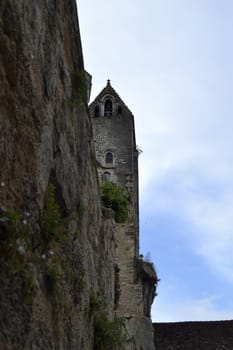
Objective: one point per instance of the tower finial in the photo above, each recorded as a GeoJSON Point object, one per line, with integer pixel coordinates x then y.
{"type": "Point", "coordinates": [108, 82]}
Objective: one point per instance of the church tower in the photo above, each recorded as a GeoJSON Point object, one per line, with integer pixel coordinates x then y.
{"type": "Point", "coordinates": [117, 161]}
{"type": "Point", "coordinates": [114, 137]}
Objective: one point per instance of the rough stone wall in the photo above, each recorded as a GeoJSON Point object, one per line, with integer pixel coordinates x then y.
{"type": "Point", "coordinates": [116, 134]}
{"type": "Point", "coordinates": [141, 333]}
{"type": "Point", "coordinates": [130, 302]}
{"type": "Point", "coordinates": [46, 136]}
{"type": "Point", "coordinates": [149, 280]}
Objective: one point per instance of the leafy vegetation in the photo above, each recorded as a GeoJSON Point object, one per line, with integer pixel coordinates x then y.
{"type": "Point", "coordinates": [116, 198]}
{"type": "Point", "coordinates": [52, 222]}
{"type": "Point", "coordinates": [15, 249]}
{"type": "Point", "coordinates": [21, 257]}
{"type": "Point", "coordinates": [117, 286]}
{"type": "Point", "coordinates": [79, 89]}
{"type": "Point", "coordinates": [52, 272]}
{"type": "Point", "coordinates": [108, 334]}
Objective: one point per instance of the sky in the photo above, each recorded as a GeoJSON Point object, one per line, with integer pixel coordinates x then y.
{"type": "Point", "coordinates": [171, 61]}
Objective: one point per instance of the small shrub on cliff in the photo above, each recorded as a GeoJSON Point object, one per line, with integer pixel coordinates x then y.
{"type": "Point", "coordinates": [52, 275]}
{"type": "Point", "coordinates": [52, 223]}
{"type": "Point", "coordinates": [108, 334]}
{"type": "Point", "coordinates": [117, 286]}
{"type": "Point", "coordinates": [15, 249]}
{"type": "Point", "coordinates": [79, 89]}
{"type": "Point", "coordinates": [116, 198]}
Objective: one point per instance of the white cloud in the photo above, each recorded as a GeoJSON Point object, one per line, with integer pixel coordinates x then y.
{"type": "Point", "coordinates": [194, 182]}
{"type": "Point", "coordinates": [203, 309]}
{"type": "Point", "coordinates": [175, 72]}
{"type": "Point", "coordinates": [199, 195]}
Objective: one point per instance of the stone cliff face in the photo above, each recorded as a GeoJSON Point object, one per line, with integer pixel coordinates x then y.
{"type": "Point", "coordinates": [58, 273]}
{"type": "Point", "coordinates": [55, 246]}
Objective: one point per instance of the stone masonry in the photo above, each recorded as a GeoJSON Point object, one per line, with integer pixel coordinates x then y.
{"type": "Point", "coordinates": [117, 161]}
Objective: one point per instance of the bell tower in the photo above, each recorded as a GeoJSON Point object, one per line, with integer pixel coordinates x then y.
{"type": "Point", "coordinates": [117, 161]}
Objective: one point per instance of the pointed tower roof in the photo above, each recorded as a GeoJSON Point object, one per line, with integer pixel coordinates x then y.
{"type": "Point", "coordinates": [109, 90]}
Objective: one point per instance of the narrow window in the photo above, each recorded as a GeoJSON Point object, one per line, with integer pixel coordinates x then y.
{"type": "Point", "coordinates": [106, 176]}
{"type": "Point", "coordinates": [109, 158]}
{"type": "Point", "coordinates": [119, 110]}
{"type": "Point", "coordinates": [97, 111]}
{"type": "Point", "coordinates": [108, 107]}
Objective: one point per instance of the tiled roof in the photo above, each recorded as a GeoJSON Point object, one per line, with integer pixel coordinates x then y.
{"type": "Point", "coordinates": [211, 335]}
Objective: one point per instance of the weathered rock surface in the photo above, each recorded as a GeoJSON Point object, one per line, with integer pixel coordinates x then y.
{"type": "Point", "coordinates": [141, 331]}
{"type": "Point", "coordinates": [46, 137]}
{"type": "Point", "coordinates": [57, 245]}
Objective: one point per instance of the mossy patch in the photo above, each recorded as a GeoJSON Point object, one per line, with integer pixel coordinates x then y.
{"type": "Point", "coordinates": [108, 334]}
{"type": "Point", "coordinates": [116, 198]}
{"type": "Point", "coordinates": [79, 89]}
